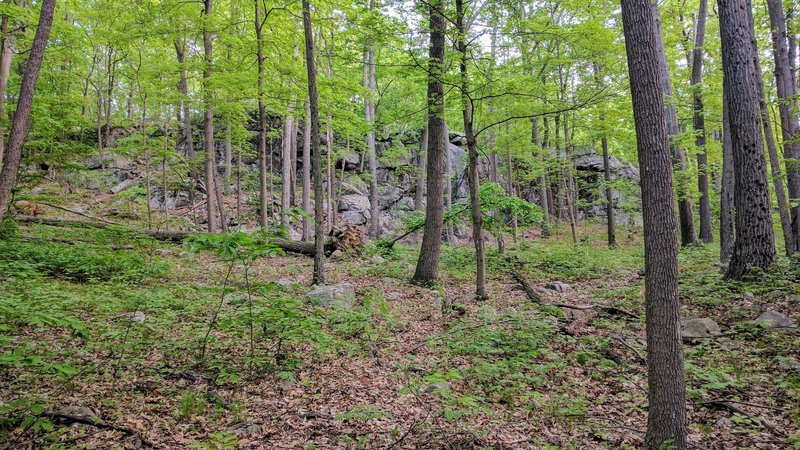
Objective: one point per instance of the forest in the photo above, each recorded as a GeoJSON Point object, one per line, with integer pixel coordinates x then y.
{"type": "Point", "coordinates": [399, 224]}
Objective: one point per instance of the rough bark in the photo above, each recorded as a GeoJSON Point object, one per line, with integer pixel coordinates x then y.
{"type": "Point", "coordinates": [262, 119]}
{"type": "Point", "coordinates": [183, 88]}
{"type": "Point", "coordinates": [688, 234]}
{"type": "Point", "coordinates": [472, 149]}
{"type": "Point", "coordinates": [307, 172]}
{"type": "Point", "coordinates": [666, 422]}
{"type": "Point", "coordinates": [726, 230]}
{"type": "Point", "coordinates": [22, 115]}
{"type": "Point", "coordinates": [428, 263]}
{"type": "Point", "coordinates": [610, 219]}
{"type": "Point", "coordinates": [369, 111]}
{"type": "Point", "coordinates": [6, 54]}
{"type": "Point", "coordinates": [699, 124]}
{"type": "Point", "coordinates": [419, 195]}
{"type": "Point", "coordinates": [787, 107]}
{"type": "Point", "coordinates": [754, 244]}
{"type": "Point", "coordinates": [313, 100]}
{"type": "Point", "coordinates": [286, 169]}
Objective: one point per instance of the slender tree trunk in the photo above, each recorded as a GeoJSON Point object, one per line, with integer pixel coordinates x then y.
{"type": "Point", "coordinates": [228, 152]}
{"type": "Point", "coordinates": [610, 219]}
{"type": "Point", "coordinates": [537, 142]}
{"type": "Point", "coordinates": [448, 186]}
{"type": "Point", "coordinates": [22, 115]}
{"type": "Point", "coordinates": [307, 172]}
{"type": "Point", "coordinates": [369, 110]}
{"type": "Point", "coordinates": [571, 192]}
{"type": "Point", "coordinates": [754, 246]}
{"type": "Point", "coordinates": [286, 169]}
{"type": "Point", "coordinates": [472, 149]}
{"type": "Point", "coordinates": [726, 219]}
{"type": "Point", "coordinates": [775, 165]}
{"type": "Point", "coordinates": [666, 421]}
{"type": "Point", "coordinates": [164, 178]}
{"type": "Point", "coordinates": [787, 107]}
{"type": "Point", "coordinates": [688, 235]}
{"type": "Point", "coordinates": [699, 125]}
{"type": "Point", "coordinates": [293, 162]}
{"type": "Point", "coordinates": [262, 121]}
{"type": "Point", "coordinates": [427, 269]}
{"type": "Point", "coordinates": [6, 54]}
{"type": "Point", "coordinates": [183, 88]}
{"type": "Point", "coordinates": [209, 116]}
{"type": "Point", "coordinates": [319, 251]}
{"type": "Point", "coordinates": [147, 158]}
{"type": "Point", "coordinates": [419, 195]}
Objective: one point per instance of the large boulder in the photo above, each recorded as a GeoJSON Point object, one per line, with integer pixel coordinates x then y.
{"type": "Point", "coordinates": [356, 218]}
{"type": "Point", "coordinates": [774, 319]}
{"type": "Point", "coordinates": [698, 328]}
{"type": "Point", "coordinates": [353, 202]}
{"type": "Point", "coordinates": [341, 295]}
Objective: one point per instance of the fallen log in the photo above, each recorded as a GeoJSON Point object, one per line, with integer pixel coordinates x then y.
{"type": "Point", "coordinates": [297, 247]}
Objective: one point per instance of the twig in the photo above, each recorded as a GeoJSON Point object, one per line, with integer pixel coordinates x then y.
{"type": "Point", "coordinates": [78, 213]}
{"type": "Point", "coordinates": [728, 405]}
{"type": "Point", "coordinates": [100, 424]}
{"type": "Point", "coordinates": [622, 340]}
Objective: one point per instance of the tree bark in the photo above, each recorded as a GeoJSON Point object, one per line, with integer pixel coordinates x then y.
{"type": "Point", "coordinates": [472, 149]}
{"type": "Point", "coordinates": [183, 88]}
{"type": "Point", "coordinates": [787, 107]}
{"type": "Point", "coordinates": [286, 169]}
{"type": "Point", "coordinates": [307, 172]}
{"type": "Point", "coordinates": [6, 54]}
{"type": "Point", "coordinates": [666, 422]}
{"type": "Point", "coordinates": [419, 195]}
{"type": "Point", "coordinates": [369, 111]}
{"type": "Point", "coordinates": [427, 269]}
{"type": "Point", "coordinates": [610, 219]}
{"type": "Point", "coordinates": [208, 123]}
{"type": "Point", "coordinates": [699, 124]}
{"type": "Point", "coordinates": [754, 245]}
{"type": "Point", "coordinates": [22, 115]}
{"type": "Point", "coordinates": [262, 120]}
{"type": "Point", "coordinates": [319, 256]}
{"type": "Point", "coordinates": [726, 220]}
{"type": "Point", "coordinates": [688, 235]}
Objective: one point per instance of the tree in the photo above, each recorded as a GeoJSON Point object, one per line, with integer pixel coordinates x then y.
{"type": "Point", "coordinates": [754, 244]}
{"type": "Point", "coordinates": [428, 263]}
{"type": "Point", "coordinates": [688, 236]}
{"type": "Point", "coordinates": [666, 421]}
{"type": "Point", "coordinates": [208, 123]}
{"type": "Point", "coordinates": [313, 101]}
{"type": "Point", "coordinates": [472, 149]}
{"type": "Point", "coordinates": [699, 124]}
{"type": "Point", "coordinates": [726, 220]}
{"type": "Point", "coordinates": [369, 108]}
{"type": "Point", "coordinates": [262, 117]}
{"type": "Point", "coordinates": [22, 115]}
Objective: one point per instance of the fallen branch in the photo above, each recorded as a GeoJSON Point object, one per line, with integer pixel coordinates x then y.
{"type": "Point", "coordinates": [72, 242]}
{"type": "Point", "coordinates": [726, 404]}
{"type": "Point", "coordinates": [99, 424]}
{"type": "Point", "coordinates": [77, 213]}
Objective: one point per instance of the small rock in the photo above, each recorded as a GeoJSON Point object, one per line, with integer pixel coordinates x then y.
{"type": "Point", "coordinates": [698, 328]}
{"type": "Point", "coordinates": [78, 412]}
{"type": "Point", "coordinates": [789, 363]}
{"type": "Point", "coordinates": [378, 259]}
{"type": "Point", "coordinates": [749, 296]}
{"type": "Point", "coordinates": [341, 295]}
{"type": "Point", "coordinates": [573, 314]}
{"type": "Point", "coordinates": [517, 287]}
{"type": "Point", "coordinates": [285, 283]}
{"type": "Point", "coordinates": [139, 317]}
{"type": "Point", "coordinates": [558, 286]}
{"type": "Point", "coordinates": [441, 386]}
{"type": "Point", "coordinates": [469, 297]}
{"type": "Point", "coordinates": [774, 319]}
{"type": "Point", "coordinates": [394, 296]}
{"type": "Point", "coordinates": [245, 428]}
{"type": "Point", "coordinates": [388, 280]}
{"type": "Point", "coordinates": [723, 422]}
{"type": "Point", "coordinates": [336, 254]}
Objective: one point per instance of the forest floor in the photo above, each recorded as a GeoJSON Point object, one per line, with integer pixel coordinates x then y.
{"type": "Point", "coordinates": [119, 337]}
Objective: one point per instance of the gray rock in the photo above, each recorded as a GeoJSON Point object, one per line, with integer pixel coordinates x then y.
{"type": "Point", "coordinates": [341, 295]}
{"type": "Point", "coordinates": [441, 386]}
{"type": "Point", "coordinates": [78, 412]}
{"type": "Point", "coordinates": [558, 286]}
{"type": "Point", "coordinates": [388, 280]}
{"type": "Point", "coordinates": [355, 217]}
{"type": "Point", "coordinates": [378, 259]}
{"type": "Point", "coordinates": [749, 296]}
{"type": "Point", "coordinates": [723, 422]}
{"type": "Point", "coordinates": [774, 319]}
{"type": "Point", "coordinates": [353, 202]}
{"type": "Point", "coordinates": [139, 317]}
{"type": "Point", "coordinates": [394, 296]}
{"type": "Point", "coordinates": [245, 428]}
{"type": "Point", "coordinates": [285, 283]}
{"type": "Point", "coordinates": [698, 328]}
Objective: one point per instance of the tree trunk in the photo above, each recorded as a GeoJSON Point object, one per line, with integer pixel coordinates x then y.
{"type": "Point", "coordinates": [228, 153]}
{"type": "Point", "coordinates": [666, 422]}
{"type": "Point", "coordinates": [22, 115]}
{"type": "Point", "coordinates": [472, 149]}
{"type": "Point", "coordinates": [183, 88]}
{"type": "Point", "coordinates": [537, 142]}
{"type": "Point", "coordinates": [754, 245]}
{"type": "Point", "coordinates": [319, 256]}
{"type": "Point", "coordinates": [610, 219]}
{"type": "Point", "coordinates": [688, 236]}
{"type": "Point", "coordinates": [208, 123]}
{"type": "Point", "coordinates": [286, 169]}
{"type": "Point", "coordinates": [307, 172]}
{"type": "Point", "coordinates": [449, 173]}
{"type": "Point", "coordinates": [699, 125]}
{"type": "Point", "coordinates": [427, 269]}
{"type": "Point", "coordinates": [262, 120]}
{"type": "Point", "coordinates": [369, 109]}
{"type": "Point", "coordinates": [6, 54]}
{"type": "Point", "coordinates": [787, 107]}
{"type": "Point", "coordinates": [419, 195]}
{"type": "Point", "coordinates": [726, 230]}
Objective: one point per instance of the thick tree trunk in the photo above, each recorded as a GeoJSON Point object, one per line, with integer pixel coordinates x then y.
{"type": "Point", "coordinates": [208, 123]}
{"type": "Point", "coordinates": [726, 230]}
{"type": "Point", "coordinates": [666, 422]}
{"type": "Point", "coordinates": [427, 269]}
{"type": "Point", "coordinates": [754, 246]}
{"type": "Point", "coordinates": [699, 124]}
{"type": "Point", "coordinates": [472, 149]}
{"type": "Point", "coordinates": [319, 256]}
{"type": "Point", "coordinates": [22, 115]}
{"type": "Point", "coordinates": [787, 107]}
{"type": "Point", "coordinates": [688, 235]}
